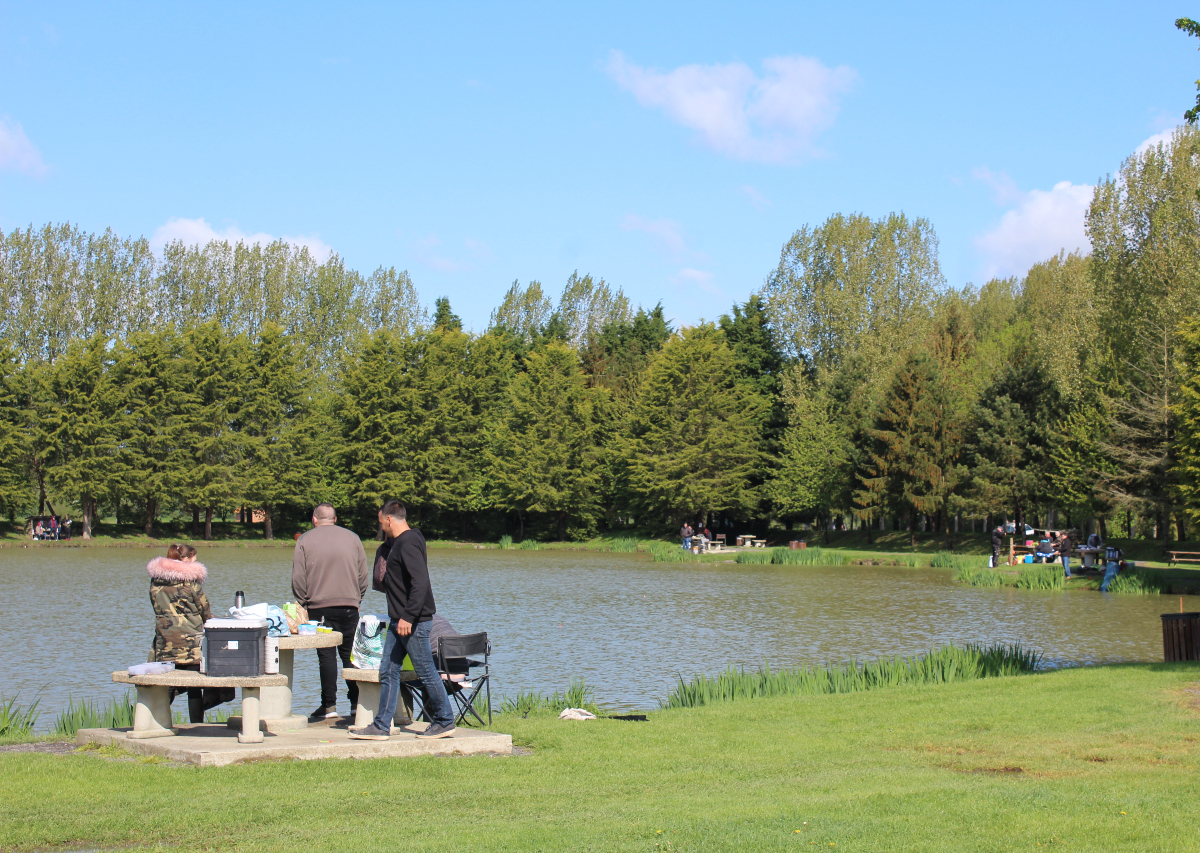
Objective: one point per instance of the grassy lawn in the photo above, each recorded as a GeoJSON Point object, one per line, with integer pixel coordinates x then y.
{"type": "Point", "coordinates": [1097, 759]}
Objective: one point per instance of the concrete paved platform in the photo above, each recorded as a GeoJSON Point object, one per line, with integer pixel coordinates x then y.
{"type": "Point", "coordinates": [214, 745]}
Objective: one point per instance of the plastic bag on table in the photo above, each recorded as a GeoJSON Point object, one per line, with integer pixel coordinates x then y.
{"type": "Point", "coordinates": [277, 623]}
{"type": "Point", "coordinates": [368, 642]}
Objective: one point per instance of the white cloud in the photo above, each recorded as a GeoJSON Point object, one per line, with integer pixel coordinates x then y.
{"type": "Point", "coordinates": [197, 232]}
{"type": "Point", "coordinates": [773, 118]}
{"type": "Point", "coordinates": [1163, 137]}
{"type": "Point", "coordinates": [667, 233]}
{"type": "Point", "coordinates": [1004, 188]}
{"type": "Point", "coordinates": [689, 278]}
{"type": "Point", "coordinates": [760, 201]}
{"type": "Point", "coordinates": [1040, 224]}
{"type": "Point", "coordinates": [17, 153]}
{"type": "Point", "coordinates": [428, 254]}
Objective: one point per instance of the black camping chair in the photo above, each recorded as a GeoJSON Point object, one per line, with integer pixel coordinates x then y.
{"type": "Point", "coordinates": [465, 676]}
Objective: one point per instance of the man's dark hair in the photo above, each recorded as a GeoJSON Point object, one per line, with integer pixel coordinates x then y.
{"type": "Point", "coordinates": [394, 509]}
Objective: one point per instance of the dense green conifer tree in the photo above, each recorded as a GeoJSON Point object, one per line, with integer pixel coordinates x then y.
{"type": "Point", "coordinates": [81, 421]}
{"type": "Point", "coordinates": [149, 372]}
{"type": "Point", "coordinates": [277, 452]}
{"type": "Point", "coordinates": [693, 444]}
{"type": "Point", "coordinates": [374, 406]}
{"type": "Point", "coordinates": [14, 484]}
{"type": "Point", "coordinates": [914, 459]}
{"type": "Point", "coordinates": [543, 454]}
{"type": "Point", "coordinates": [208, 449]}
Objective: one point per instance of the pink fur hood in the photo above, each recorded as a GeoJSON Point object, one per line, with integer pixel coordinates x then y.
{"type": "Point", "coordinates": [176, 571]}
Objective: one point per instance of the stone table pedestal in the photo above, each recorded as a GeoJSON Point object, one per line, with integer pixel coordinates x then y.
{"type": "Point", "coordinates": [275, 703]}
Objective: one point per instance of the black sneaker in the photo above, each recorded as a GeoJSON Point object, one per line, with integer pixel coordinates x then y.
{"type": "Point", "coordinates": [325, 712]}
{"type": "Point", "coordinates": [369, 733]}
{"type": "Point", "coordinates": [436, 731]}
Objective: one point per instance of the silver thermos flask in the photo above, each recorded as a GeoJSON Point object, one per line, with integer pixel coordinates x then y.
{"type": "Point", "coordinates": [239, 599]}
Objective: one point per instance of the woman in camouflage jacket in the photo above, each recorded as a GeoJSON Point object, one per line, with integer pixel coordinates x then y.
{"type": "Point", "coordinates": [180, 610]}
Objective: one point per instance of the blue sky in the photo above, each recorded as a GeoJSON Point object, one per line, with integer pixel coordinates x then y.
{"type": "Point", "coordinates": [671, 149]}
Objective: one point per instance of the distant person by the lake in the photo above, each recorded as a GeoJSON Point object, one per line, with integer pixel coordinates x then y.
{"type": "Point", "coordinates": [1114, 561]}
{"type": "Point", "coordinates": [180, 610]}
{"type": "Point", "coordinates": [1094, 541]}
{"type": "Point", "coordinates": [411, 608]}
{"type": "Point", "coordinates": [1064, 551]}
{"type": "Point", "coordinates": [997, 544]}
{"type": "Point", "coordinates": [330, 577]}
{"type": "Point", "coordinates": [686, 533]}
{"type": "Point", "coordinates": [38, 531]}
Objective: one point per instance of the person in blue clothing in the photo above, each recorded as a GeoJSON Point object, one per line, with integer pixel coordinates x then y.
{"type": "Point", "coordinates": [1114, 561]}
{"type": "Point", "coordinates": [686, 534]}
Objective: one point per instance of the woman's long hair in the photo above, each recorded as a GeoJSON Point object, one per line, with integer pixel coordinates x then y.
{"type": "Point", "coordinates": [180, 551]}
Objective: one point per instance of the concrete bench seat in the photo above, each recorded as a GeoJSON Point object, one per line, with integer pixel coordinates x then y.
{"type": "Point", "coordinates": [152, 713]}
{"type": "Point", "coordinates": [368, 696]}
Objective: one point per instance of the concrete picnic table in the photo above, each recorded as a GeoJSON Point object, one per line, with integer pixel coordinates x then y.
{"type": "Point", "coordinates": [276, 711]}
{"type": "Point", "coordinates": [152, 713]}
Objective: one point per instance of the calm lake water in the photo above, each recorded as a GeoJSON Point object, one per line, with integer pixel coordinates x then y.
{"type": "Point", "coordinates": [629, 626]}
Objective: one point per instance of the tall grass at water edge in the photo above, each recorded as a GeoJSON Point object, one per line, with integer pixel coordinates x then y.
{"type": "Point", "coordinates": [579, 694]}
{"type": "Point", "coordinates": [530, 545]}
{"type": "Point", "coordinates": [1048, 576]}
{"type": "Point", "coordinates": [790, 557]}
{"type": "Point", "coordinates": [16, 721]}
{"type": "Point", "coordinates": [505, 542]}
{"type": "Point", "coordinates": [667, 552]}
{"type": "Point", "coordinates": [975, 576]}
{"type": "Point", "coordinates": [624, 545]}
{"type": "Point", "coordinates": [1139, 580]}
{"type": "Point", "coordinates": [946, 560]}
{"type": "Point", "coordinates": [941, 666]}
{"type": "Point", "coordinates": [87, 714]}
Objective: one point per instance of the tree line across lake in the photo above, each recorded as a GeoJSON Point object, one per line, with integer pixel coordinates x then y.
{"type": "Point", "coordinates": [854, 388]}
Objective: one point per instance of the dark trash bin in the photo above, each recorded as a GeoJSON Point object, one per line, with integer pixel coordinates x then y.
{"type": "Point", "coordinates": [1181, 636]}
{"type": "Point", "coordinates": [797, 544]}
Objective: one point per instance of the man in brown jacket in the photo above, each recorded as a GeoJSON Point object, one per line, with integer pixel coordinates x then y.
{"type": "Point", "coordinates": [330, 577]}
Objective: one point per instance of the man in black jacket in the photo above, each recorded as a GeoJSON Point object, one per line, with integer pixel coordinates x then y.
{"type": "Point", "coordinates": [997, 544]}
{"type": "Point", "coordinates": [410, 609]}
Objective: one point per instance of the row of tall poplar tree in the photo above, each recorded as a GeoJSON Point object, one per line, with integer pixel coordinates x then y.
{"type": "Point", "coordinates": [854, 387]}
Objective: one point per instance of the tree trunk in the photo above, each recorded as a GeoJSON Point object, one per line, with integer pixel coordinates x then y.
{"type": "Point", "coordinates": [1103, 528]}
{"type": "Point", "coordinates": [88, 505]}
{"type": "Point", "coordinates": [870, 534]}
{"type": "Point", "coordinates": [151, 508]}
{"type": "Point", "coordinates": [247, 517]}
{"type": "Point", "coordinates": [562, 525]}
{"type": "Point", "coordinates": [268, 531]}
{"type": "Point", "coordinates": [195, 522]}
{"type": "Point", "coordinates": [208, 514]}
{"type": "Point", "coordinates": [1180, 528]}
{"type": "Point", "coordinates": [41, 480]}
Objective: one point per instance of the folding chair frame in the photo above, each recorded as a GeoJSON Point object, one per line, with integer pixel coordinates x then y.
{"type": "Point", "coordinates": [463, 647]}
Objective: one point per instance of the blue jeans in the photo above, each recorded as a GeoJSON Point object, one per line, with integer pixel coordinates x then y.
{"type": "Point", "coordinates": [687, 542]}
{"type": "Point", "coordinates": [1066, 564]}
{"type": "Point", "coordinates": [416, 646]}
{"type": "Point", "coordinates": [1110, 572]}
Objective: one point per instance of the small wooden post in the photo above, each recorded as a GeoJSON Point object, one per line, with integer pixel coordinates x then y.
{"type": "Point", "coordinates": [1012, 554]}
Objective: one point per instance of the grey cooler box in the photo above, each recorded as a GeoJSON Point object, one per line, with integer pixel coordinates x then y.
{"type": "Point", "coordinates": [235, 647]}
